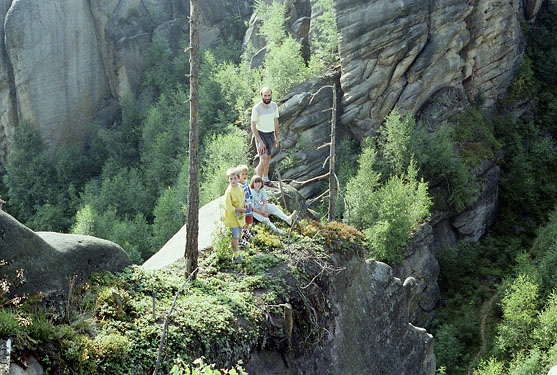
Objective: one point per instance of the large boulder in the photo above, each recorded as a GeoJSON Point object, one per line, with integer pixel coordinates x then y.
{"type": "Point", "coordinates": [48, 261]}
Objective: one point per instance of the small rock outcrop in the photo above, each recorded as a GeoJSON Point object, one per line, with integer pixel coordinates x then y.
{"type": "Point", "coordinates": [49, 261]}
{"type": "Point", "coordinates": [367, 329]}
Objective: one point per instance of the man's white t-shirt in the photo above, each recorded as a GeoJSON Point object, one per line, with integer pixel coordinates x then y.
{"type": "Point", "coordinates": [264, 116]}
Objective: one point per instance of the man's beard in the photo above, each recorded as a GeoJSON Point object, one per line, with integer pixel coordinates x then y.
{"type": "Point", "coordinates": [267, 101]}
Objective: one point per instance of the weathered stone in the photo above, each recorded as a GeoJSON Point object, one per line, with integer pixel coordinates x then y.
{"type": "Point", "coordinates": [49, 261]}
{"type": "Point", "coordinates": [57, 68]}
{"type": "Point", "coordinates": [400, 53]}
{"type": "Point", "coordinates": [58, 71]}
{"type": "Point", "coordinates": [5, 353]}
{"type": "Point", "coordinates": [33, 367]}
{"type": "Point", "coordinates": [368, 329]}
{"type": "Point", "coordinates": [305, 126]}
{"type": "Point", "coordinates": [474, 222]}
{"type": "Point", "coordinates": [420, 264]}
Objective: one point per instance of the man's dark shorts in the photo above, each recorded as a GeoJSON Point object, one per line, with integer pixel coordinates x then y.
{"type": "Point", "coordinates": [268, 140]}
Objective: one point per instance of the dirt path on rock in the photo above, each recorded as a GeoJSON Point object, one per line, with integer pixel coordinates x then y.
{"type": "Point", "coordinates": [484, 313]}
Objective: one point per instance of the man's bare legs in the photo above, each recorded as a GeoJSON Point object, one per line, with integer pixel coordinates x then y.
{"type": "Point", "coordinates": [262, 168]}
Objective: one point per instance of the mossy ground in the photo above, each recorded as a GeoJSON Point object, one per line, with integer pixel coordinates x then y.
{"type": "Point", "coordinates": [112, 324]}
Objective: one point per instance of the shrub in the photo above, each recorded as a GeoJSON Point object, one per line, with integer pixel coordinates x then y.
{"type": "Point", "coordinates": [387, 214]}
{"type": "Point", "coordinates": [30, 176]}
{"type": "Point", "coordinates": [519, 305]}
{"type": "Point", "coordinates": [222, 152]}
{"type": "Point", "coordinates": [449, 350]}
{"type": "Point", "coordinates": [169, 217]}
{"type": "Point", "coordinates": [439, 161]}
{"type": "Point", "coordinates": [490, 367]}
{"type": "Point", "coordinates": [324, 37]}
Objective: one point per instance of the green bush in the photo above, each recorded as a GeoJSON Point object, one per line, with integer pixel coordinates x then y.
{"type": "Point", "coordinates": [30, 176]}
{"type": "Point", "coordinates": [387, 213]}
{"type": "Point", "coordinates": [440, 163]}
{"type": "Point", "coordinates": [520, 309]}
{"type": "Point", "coordinates": [449, 350]}
{"type": "Point", "coordinates": [169, 217]}
{"type": "Point", "coordinates": [324, 36]}
{"type": "Point", "coordinates": [490, 367]}
{"type": "Point", "coordinates": [120, 188]}
{"type": "Point", "coordinates": [222, 152]}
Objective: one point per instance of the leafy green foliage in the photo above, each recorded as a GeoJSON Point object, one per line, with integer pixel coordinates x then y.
{"type": "Point", "coordinates": [400, 206]}
{"type": "Point", "coordinates": [490, 367]}
{"type": "Point", "coordinates": [324, 38]}
{"type": "Point", "coordinates": [519, 305]}
{"type": "Point", "coordinates": [222, 152]}
{"type": "Point", "coordinates": [477, 136]}
{"type": "Point", "coordinates": [29, 173]}
{"type": "Point", "coordinates": [169, 216]}
{"type": "Point", "coordinates": [440, 163]}
{"type": "Point", "coordinates": [387, 213]}
{"type": "Point", "coordinates": [396, 137]}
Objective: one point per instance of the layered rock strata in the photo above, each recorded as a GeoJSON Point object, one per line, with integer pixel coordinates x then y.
{"type": "Point", "coordinates": [400, 53]}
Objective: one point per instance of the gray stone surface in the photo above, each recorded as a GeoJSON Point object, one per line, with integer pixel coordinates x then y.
{"type": "Point", "coordinates": [305, 126]}
{"type": "Point", "coordinates": [66, 61]}
{"type": "Point", "coordinates": [57, 68]}
{"type": "Point", "coordinates": [50, 260]}
{"type": "Point", "coordinates": [368, 330]}
{"type": "Point", "coordinates": [33, 367]}
{"type": "Point", "coordinates": [400, 53]}
{"type": "Point", "coordinates": [420, 264]}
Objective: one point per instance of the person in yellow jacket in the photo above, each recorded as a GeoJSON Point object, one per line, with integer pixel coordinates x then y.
{"type": "Point", "coordinates": [234, 209]}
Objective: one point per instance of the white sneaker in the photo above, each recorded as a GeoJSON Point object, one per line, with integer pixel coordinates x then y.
{"type": "Point", "coordinates": [292, 217]}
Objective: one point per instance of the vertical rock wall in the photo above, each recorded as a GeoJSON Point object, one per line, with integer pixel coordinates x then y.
{"type": "Point", "coordinates": [67, 63]}
{"type": "Point", "coordinates": [58, 71]}
{"type": "Point", "coordinates": [399, 53]}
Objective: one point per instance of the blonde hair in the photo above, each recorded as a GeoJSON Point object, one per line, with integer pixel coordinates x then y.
{"type": "Point", "coordinates": [265, 89]}
{"type": "Point", "coordinates": [232, 172]}
{"type": "Point", "coordinates": [255, 179]}
{"type": "Point", "coordinates": [242, 168]}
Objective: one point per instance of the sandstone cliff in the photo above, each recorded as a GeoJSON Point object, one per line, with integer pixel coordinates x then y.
{"type": "Point", "coordinates": [67, 63]}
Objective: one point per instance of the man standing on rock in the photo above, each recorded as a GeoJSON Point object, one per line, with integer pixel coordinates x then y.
{"type": "Point", "coordinates": [264, 125]}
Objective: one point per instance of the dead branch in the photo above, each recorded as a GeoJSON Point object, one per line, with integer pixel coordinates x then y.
{"type": "Point", "coordinates": [163, 334]}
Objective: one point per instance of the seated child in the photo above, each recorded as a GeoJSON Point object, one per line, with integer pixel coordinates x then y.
{"type": "Point", "coordinates": [262, 209]}
{"type": "Point", "coordinates": [246, 235]}
{"type": "Point", "coordinates": [234, 210]}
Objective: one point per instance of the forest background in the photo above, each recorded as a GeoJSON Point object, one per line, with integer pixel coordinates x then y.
{"type": "Point", "coordinates": [129, 185]}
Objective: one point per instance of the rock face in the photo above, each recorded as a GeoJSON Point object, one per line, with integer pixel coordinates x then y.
{"type": "Point", "coordinates": [66, 63]}
{"type": "Point", "coordinates": [56, 64]}
{"type": "Point", "coordinates": [305, 126]}
{"type": "Point", "coordinates": [50, 260]}
{"type": "Point", "coordinates": [368, 329]}
{"type": "Point", "coordinates": [400, 53]}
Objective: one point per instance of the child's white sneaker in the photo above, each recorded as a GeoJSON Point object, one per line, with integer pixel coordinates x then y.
{"type": "Point", "coordinates": [292, 217]}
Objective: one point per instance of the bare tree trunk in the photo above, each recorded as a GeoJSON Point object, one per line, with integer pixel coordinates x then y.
{"type": "Point", "coordinates": [331, 213]}
{"type": "Point", "coordinates": [192, 228]}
